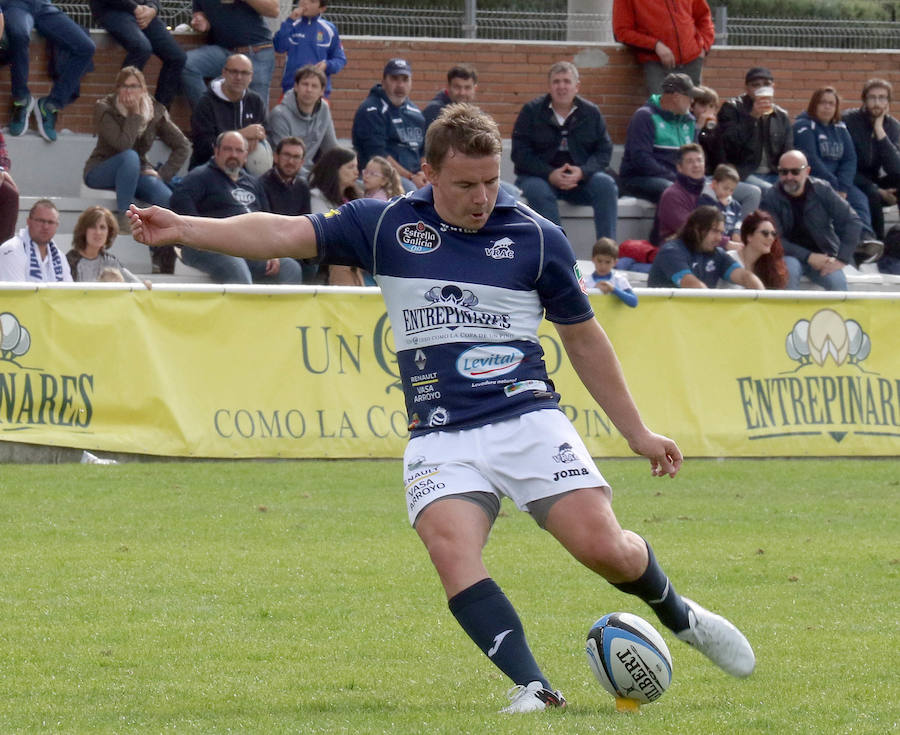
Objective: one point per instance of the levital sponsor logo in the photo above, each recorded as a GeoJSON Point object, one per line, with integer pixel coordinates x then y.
{"type": "Point", "coordinates": [488, 361]}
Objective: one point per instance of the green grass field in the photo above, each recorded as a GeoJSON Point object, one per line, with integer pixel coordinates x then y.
{"type": "Point", "coordinates": [294, 598]}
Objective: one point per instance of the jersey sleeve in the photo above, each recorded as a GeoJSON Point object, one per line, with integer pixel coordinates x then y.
{"type": "Point", "coordinates": [344, 236]}
{"type": "Point", "coordinates": [560, 285]}
{"type": "Point", "coordinates": [675, 263]}
{"type": "Point", "coordinates": [725, 264]}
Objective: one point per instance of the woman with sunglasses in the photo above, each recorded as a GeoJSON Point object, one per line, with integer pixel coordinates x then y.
{"type": "Point", "coordinates": [762, 252]}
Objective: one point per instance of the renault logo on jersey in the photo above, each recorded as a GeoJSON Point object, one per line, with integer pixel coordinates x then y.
{"type": "Point", "coordinates": [501, 249]}
{"type": "Point", "coordinates": [418, 238]}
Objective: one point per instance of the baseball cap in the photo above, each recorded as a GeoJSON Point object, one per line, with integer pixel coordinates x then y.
{"type": "Point", "coordinates": [680, 83]}
{"type": "Point", "coordinates": [397, 66]}
{"type": "Point", "coordinates": [758, 72]}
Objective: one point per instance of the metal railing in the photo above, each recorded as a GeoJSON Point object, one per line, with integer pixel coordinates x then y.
{"type": "Point", "coordinates": [813, 33]}
{"type": "Point", "coordinates": [538, 25]}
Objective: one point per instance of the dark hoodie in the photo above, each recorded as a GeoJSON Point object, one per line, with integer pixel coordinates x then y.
{"type": "Point", "coordinates": [383, 129]}
{"type": "Point", "coordinates": [215, 114]}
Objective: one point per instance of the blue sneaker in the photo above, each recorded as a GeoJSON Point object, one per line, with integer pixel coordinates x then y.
{"type": "Point", "coordinates": [18, 122]}
{"type": "Point", "coordinates": [45, 117]}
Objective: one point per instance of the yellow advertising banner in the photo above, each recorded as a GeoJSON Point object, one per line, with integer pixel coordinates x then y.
{"type": "Point", "coordinates": [277, 373]}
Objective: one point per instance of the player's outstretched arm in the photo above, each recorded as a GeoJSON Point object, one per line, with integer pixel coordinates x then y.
{"type": "Point", "coordinates": [258, 236]}
{"type": "Point", "coordinates": [594, 359]}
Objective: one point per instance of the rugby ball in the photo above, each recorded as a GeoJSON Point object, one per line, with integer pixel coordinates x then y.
{"type": "Point", "coordinates": [629, 657]}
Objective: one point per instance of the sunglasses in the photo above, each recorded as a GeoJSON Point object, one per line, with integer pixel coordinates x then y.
{"type": "Point", "coordinates": [791, 171]}
{"type": "Point", "coordinates": [767, 233]}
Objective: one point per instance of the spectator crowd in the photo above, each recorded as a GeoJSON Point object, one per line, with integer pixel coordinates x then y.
{"type": "Point", "coordinates": [743, 194]}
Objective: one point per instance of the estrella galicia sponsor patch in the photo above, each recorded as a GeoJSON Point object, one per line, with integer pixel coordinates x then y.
{"type": "Point", "coordinates": [582, 285]}
{"type": "Point", "coordinates": [419, 238]}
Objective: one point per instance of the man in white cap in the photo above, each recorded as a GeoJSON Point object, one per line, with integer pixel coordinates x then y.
{"type": "Point", "coordinates": [388, 124]}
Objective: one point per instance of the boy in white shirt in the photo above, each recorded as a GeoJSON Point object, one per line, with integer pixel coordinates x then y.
{"type": "Point", "coordinates": [605, 277]}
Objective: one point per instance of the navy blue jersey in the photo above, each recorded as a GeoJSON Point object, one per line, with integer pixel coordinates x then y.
{"type": "Point", "coordinates": [464, 305]}
{"type": "Point", "coordinates": [674, 261]}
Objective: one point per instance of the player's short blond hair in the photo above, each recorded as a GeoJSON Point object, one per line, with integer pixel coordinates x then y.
{"type": "Point", "coordinates": [465, 129]}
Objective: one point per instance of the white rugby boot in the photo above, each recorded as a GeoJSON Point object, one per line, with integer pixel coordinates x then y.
{"type": "Point", "coordinates": [532, 698]}
{"type": "Point", "coordinates": [718, 640]}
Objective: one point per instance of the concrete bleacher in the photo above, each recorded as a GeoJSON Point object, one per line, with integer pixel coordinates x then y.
{"type": "Point", "coordinates": [54, 171]}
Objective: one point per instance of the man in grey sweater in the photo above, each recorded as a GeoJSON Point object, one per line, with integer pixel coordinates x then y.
{"type": "Point", "coordinates": [303, 114]}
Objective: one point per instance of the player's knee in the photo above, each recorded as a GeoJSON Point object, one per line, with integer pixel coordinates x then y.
{"type": "Point", "coordinates": [615, 556]}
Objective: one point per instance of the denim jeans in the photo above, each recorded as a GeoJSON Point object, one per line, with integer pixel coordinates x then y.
{"type": "Point", "coordinates": [140, 45]}
{"type": "Point", "coordinates": [860, 204]}
{"type": "Point", "coordinates": [599, 191]}
{"type": "Point", "coordinates": [646, 187]}
{"type": "Point", "coordinates": [748, 196]}
{"type": "Point", "coordinates": [836, 281]}
{"type": "Point", "coordinates": [122, 173]}
{"type": "Point", "coordinates": [763, 181]}
{"type": "Point", "coordinates": [207, 62]}
{"type": "Point", "coordinates": [229, 269]}
{"type": "Point", "coordinates": [23, 16]}
{"type": "Point", "coordinates": [655, 72]}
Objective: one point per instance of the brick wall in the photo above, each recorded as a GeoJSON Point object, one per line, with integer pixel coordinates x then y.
{"type": "Point", "coordinates": [510, 74]}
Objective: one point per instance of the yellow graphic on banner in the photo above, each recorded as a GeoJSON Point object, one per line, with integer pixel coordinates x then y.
{"type": "Point", "coordinates": [308, 375]}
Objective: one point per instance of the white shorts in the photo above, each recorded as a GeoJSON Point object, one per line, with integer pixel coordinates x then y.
{"type": "Point", "coordinates": [530, 457]}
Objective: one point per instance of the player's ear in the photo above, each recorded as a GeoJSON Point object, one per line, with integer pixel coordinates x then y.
{"type": "Point", "coordinates": [429, 171]}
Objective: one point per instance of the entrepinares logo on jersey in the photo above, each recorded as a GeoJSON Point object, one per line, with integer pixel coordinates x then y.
{"type": "Point", "coordinates": [30, 396]}
{"type": "Point", "coordinates": [451, 307]}
{"type": "Point", "coordinates": [828, 392]}
{"type": "Point", "coordinates": [419, 238]}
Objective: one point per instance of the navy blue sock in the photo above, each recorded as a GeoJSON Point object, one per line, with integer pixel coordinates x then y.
{"type": "Point", "coordinates": [490, 620]}
{"type": "Point", "coordinates": [654, 588]}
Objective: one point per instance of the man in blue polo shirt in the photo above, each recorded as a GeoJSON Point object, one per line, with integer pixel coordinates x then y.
{"type": "Point", "coordinates": [467, 275]}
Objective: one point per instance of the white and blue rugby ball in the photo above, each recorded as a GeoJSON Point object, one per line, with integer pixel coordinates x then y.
{"type": "Point", "coordinates": [629, 657]}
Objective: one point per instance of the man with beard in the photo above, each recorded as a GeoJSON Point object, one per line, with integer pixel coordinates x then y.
{"type": "Point", "coordinates": [820, 231]}
{"type": "Point", "coordinates": [221, 188]}
{"type": "Point", "coordinates": [876, 138]}
{"type": "Point", "coordinates": [287, 190]}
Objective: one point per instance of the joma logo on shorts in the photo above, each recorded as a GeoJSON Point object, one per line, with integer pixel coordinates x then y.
{"type": "Point", "coordinates": [557, 476]}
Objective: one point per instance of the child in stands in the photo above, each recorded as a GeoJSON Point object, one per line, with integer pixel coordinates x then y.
{"type": "Point", "coordinates": [605, 277]}
{"type": "Point", "coordinates": [718, 193]}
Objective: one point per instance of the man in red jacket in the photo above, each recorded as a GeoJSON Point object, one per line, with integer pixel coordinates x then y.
{"type": "Point", "coordinates": [667, 35]}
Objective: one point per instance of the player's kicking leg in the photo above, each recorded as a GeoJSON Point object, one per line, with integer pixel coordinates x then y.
{"type": "Point", "coordinates": [583, 521]}
{"type": "Point", "coordinates": [455, 530]}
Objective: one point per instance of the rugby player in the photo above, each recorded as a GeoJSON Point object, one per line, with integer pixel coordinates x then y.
{"type": "Point", "coordinates": [467, 274]}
